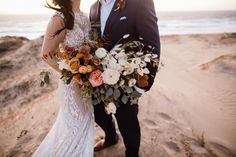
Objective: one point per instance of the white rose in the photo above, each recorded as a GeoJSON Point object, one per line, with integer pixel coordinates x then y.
{"type": "Point", "coordinates": [110, 76]}
{"type": "Point", "coordinates": [101, 53]}
{"type": "Point", "coordinates": [132, 82]}
{"type": "Point", "coordinates": [110, 108]}
{"type": "Point", "coordinates": [116, 67]}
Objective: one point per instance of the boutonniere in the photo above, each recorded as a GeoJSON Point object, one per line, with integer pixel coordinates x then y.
{"type": "Point", "coordinates": [120, 5]}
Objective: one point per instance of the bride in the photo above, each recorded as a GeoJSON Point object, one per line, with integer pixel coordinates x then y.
{"type": "Point", "coordinates": [72, 133]}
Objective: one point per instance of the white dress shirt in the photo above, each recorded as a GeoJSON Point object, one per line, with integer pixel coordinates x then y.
{"type": "Point", "coordinates": [106, 7]}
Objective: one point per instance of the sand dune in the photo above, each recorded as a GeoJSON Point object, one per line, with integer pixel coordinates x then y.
{"type": "Point", "coordinates": [223, 63]}
{"type": "Point", "coordinates": [190, 111]}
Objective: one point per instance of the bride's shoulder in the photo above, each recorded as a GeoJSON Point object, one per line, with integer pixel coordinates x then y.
{"type": "Point", "coordinates": [58, 14]}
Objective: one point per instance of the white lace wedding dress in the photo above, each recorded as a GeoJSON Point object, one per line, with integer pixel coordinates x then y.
{"type": "Point", "coordinates": [72, 133]}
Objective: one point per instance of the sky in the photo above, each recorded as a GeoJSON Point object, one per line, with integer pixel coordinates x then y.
{"type": "Point", "coordinates": [36, 6]}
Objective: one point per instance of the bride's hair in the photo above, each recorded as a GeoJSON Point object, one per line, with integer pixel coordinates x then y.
{"type": "Point", "coordinates": [64, 7]}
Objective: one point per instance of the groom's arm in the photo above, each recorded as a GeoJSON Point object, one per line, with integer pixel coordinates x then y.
{"type": "Point", "coordinates": [146, 24]}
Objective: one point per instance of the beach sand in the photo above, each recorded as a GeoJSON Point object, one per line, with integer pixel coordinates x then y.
{"type": "Point", "coordinates": [190, 111]}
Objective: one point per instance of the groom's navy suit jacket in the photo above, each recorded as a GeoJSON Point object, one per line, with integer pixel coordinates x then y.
{"type": "Point", "coordinates": [137, 18]}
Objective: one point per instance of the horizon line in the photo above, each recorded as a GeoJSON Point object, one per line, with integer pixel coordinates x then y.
{"type": "Point", "coordinates": [41, 13]}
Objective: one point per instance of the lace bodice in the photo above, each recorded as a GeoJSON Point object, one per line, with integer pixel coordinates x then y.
{"type": "Point", "coordinates": [80, 32]}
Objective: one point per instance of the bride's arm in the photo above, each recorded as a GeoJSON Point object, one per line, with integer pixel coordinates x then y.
{"type": "Point", "coordinates": [51, 42]}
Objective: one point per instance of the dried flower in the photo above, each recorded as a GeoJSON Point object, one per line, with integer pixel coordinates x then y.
{"type": "Point", "coordinates": [120, 5]}
{"type": "Point", "coordinates": [142, 81]}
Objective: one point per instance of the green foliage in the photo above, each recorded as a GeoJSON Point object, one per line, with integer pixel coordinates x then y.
{"type": "Point", "coordinates": [125, 99]}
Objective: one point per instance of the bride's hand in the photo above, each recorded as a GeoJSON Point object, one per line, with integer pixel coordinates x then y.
{"type": "Point", "coordinates": [51, 41]}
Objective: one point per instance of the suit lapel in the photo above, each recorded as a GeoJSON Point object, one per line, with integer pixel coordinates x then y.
{"type": "Point", "coordinates": [111, 18]}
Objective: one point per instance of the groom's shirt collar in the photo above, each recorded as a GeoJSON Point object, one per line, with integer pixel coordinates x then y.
{"type": "Point", "coordinates": [106, 8]}
{"type": "Point", "coordinates": [106, 2]}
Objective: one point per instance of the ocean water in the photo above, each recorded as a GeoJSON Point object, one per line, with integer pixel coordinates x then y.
{"type": "Point", "coordinates": [33, 26]}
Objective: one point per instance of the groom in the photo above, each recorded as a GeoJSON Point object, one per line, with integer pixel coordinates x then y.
{"type": "Point", "coordinates": [114, 19]}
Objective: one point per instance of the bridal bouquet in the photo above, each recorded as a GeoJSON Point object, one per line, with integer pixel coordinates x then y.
{"type": "Point", "coordinates": [109, 77]}
{"type": "Point", "coordinates": [79, 64]}
{"type": "Point", "coordinates": [125, 73]}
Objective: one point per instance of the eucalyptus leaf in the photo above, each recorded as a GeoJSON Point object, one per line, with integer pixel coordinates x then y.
{"type": "Point", "coordinates": [125, 99]}
{"type": "Point", "coordinates": [109, 93]}
{"type": "Point", "coordinates": [116, 94]}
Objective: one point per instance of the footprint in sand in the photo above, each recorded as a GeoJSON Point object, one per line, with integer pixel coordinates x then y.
{"type": "Point", "coordinates": [150, 124]}
{"type": "Point", "coordinates": [165, 116]}
{"type": "Point", "coordinates": [172, 146]}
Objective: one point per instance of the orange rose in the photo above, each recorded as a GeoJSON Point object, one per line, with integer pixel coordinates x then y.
{"type": "Point", "coordinates": [74, 65]}
{"type": "Point", "coordinates": [95, 78]}
{"type": "Point", "coordinates": [83, 69]}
